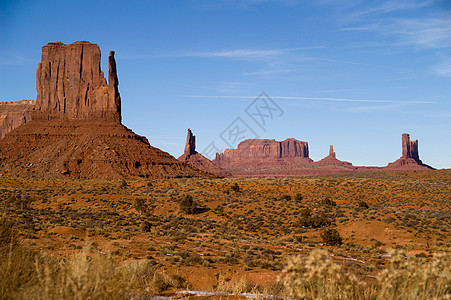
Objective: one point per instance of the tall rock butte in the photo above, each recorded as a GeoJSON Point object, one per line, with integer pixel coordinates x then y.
{"type": "Point", "coordinates": [70, 84]}
{"type": "Point", "coordinates": [197, 160]}
{"type": "Point", "coordinates": [76, 129]}
{"type": "Point", "coordinates": [331, 160]}
{"type": "Point", "coordinates": [410, 159]}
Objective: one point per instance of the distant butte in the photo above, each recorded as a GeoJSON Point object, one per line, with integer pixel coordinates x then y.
{"type": "Point", "coordinates": [270, 158]}
{"type": "Point", "coordinates": [76, 129]}
{"type": "Point", "coordinates": [197, 160]}
{"type": "Point", "coordinates": [410, 159]}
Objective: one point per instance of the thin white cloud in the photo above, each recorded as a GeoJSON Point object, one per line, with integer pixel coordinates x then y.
{"type": "Point", "coordinates": [427, 32]}
{"type": "Point", "coordinates": [227, 53]}
{"type": "Point", "coordinates": [355, 63]}
{"type": "Point", "coordinates": [392, 6]}
{"type": "Point", "coordinates": [312, 99]}
{"type": "Point", "coordinates": [269, 72]}
{"type": "Point", "coordinates": [245, 53]}
{"type": "Point", "coordinates": [444, 68]}
{"type": "Point", "coordinates": [372, 108]}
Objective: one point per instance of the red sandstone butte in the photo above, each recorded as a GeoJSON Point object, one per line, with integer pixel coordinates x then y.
{"type": "Point", "coordinates": [197, 160]}
{"type": "Point", "coordinates": [331, 160]}
{"type": "Point", "coordinates": [410, 159]}
{"type": "Point", "coordinates": [70, 84]}
{"type": "Point", "coordinates": [256, 157]}
{"type": "Point", "coordinates": [270, 158]}
{"type": "Point", "coordinates": [76, 129]}
{"type": "Point", "coordinates": [14, 114]}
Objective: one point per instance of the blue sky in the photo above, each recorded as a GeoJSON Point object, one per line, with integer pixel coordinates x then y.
{"type": "Point", "coordinates": [355, 74]}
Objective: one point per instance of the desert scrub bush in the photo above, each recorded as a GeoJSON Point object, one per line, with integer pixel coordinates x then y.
{"type": "Point", "coordinates": [331, 237]}
{"type": "Point", "coordinates": [416, 277]}
{"type": "Point", "coordinates": [285, 198]}
{"type": "Point", "coordinates": [328, 201]}
{"type": "Point", "coordinates": [316, 220]}
{"type": "Point", "coordinates": [235, 187]}
{"type": "Point", "coordinates": [298, 197]}
{"type": "Point", "coordinates": [187, 204]}
{"type": "Point", "coordinates": [363, 204]}
{"type": "Point", "coordinates": [317, 277]}
{"type": "Point", "coordinates": [140, 205]}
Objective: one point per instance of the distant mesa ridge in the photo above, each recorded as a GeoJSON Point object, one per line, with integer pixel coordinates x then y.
{"type": "Point", "coordinates": [75, 129]}
{"type": "Point", "coordinates": [271, 158]}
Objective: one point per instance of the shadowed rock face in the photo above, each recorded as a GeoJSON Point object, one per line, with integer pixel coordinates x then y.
{"type": "Point", "coordinates": [190, 146]}
{"type": "Point", "coordinates": [70, 84]}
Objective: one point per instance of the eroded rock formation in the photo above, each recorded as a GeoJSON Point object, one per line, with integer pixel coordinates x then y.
{"type": "Point", "coordinates": [14, 114]}
{"type": "Point", "coordinates": [270, 158]}
{"type": "Point", "coordinates": [410, 159]}
{"type": "Point", "coordinates": [190, 146]}
{"type": "Point", "coordinates": [331, 160]}
{"type": "Point", "coordinates": [257, 156]}
{"type": "Point", "coordinates": [76, 130]}
{"type": "Point", "coordinates": [263, 149]}
{"type": "Point", "coordinates": [197, 160]}
{"type": "Point", "coordinates": [70, 84]}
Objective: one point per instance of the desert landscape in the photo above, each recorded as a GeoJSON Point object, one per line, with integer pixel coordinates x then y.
{"type": "Point", "coordinates": [90, 210]}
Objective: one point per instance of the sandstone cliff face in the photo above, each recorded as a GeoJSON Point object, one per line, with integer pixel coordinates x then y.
{"type": "Point", "coordinates": [70, 84]}
{"type": "Point", "coordinates": [409, 148]}
{"type": "Point", "coordinates": [197, 160]}
{"type": "Point", "coordinates": [265, 149]}
{"type": "Point", "coordinates": [14, 114]}
{"type": "Point", "coordinates": [257, 154]}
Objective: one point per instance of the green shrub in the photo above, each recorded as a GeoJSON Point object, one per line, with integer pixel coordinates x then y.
{"type": "Point", "coordinates": [298, 197]}
{"type": "Point", "coordinates": [235, 187]}
{"type": "Point", "coordinates": [140, 205]}
{"type": "Point", "coordinates": [363, 204]}
{"type": "Point", "coordinates": [328, 201]}
{"type": "Point", "coordinates": [316, 220]}
{"type": "Point", "coordinates": [187, 204]}
{"type": "Point", "coordinates": [331, 237]}
{"type": "Point", "coordinates": [285, 198]}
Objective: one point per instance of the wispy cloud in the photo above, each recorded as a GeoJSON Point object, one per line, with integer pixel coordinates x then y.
{"type": "Point", "coordinates": [428, 32]}
{"type": "Point", "coordinates": [443, 68]}
{"type": "Point", "coordinates": [372, 108]}
{"type": "Point", "coordinates": [245, 53]}
{"type": "Point", "coordinates": [313, 99]}
{"type": "Point", "coordinates": [355, 63]}
{"type": "Point", "coordinates": [391, 6]}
